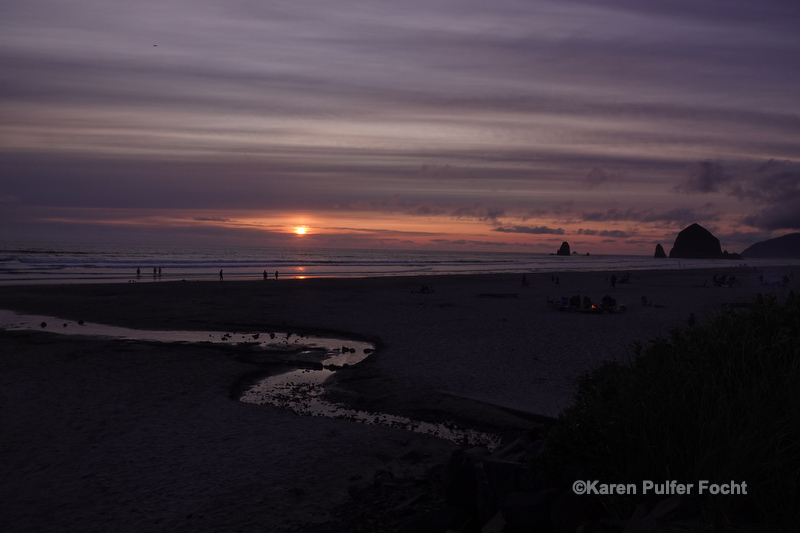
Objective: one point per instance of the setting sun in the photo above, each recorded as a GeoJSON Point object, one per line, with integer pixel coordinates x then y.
{"type": "Point", "coordinates": [301, 230]}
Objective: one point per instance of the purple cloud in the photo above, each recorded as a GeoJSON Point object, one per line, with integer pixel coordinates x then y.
{"type": "Point", "coordinates": [533, 230]}
{"type": "Point", "coordinates": [706, 177]}
{"type": "Point", "coordinates": [617, 234]}
{"type": "Point", "coordinates": [596, 177]}
{"type": "Point", "coordinates": [478, 211]}
{"type": "Point", "coordinates": [680, 215]}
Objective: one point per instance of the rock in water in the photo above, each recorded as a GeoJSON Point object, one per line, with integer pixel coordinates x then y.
{"type": "Point", "coordinates": [660, 253]}
{"type": "Point", "coordinates": [696, 242]}
{"type": "Point", "coordinates": [564, 250]}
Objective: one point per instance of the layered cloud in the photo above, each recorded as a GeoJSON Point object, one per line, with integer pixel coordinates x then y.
{"type": "Point", "coordinates": [774, 185]}
{"type": "Point", "coordinates": [678, 216]}
{"type": "Point", "coordinates": [615, 234]}
{"type": "Point", "coordinates": [708, 176]}
{"type": "Point", "coordinates": [525, 119]}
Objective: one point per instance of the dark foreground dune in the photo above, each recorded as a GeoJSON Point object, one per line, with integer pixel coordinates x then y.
{"type": "Point", "coordinates": [104, 435]}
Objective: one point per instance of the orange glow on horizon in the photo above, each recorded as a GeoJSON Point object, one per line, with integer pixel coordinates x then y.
{"type": "Point", "coordinates": [372, 229]}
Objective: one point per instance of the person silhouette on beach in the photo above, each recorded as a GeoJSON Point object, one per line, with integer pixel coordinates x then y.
{"type": "Point", "coordinates": [159, 272]}
{"type": "Point", "coordinates": [138, 273]}
{"type": "Point", "coordinates": [276, 275]}
{"type": "Point", "coordinates": [220, 275]}
{"type": "Point", "coordinates": [265, 275]}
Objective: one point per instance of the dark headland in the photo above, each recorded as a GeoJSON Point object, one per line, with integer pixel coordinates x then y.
{"type": "Point", "coordinates": [786, 247]}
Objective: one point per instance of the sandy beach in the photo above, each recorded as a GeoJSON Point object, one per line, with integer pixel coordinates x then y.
{"type": "Point", "coordinates": [107, 435]}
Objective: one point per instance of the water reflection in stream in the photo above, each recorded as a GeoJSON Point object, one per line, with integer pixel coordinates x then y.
{"type": "Point", "coordinates": [299, 390]}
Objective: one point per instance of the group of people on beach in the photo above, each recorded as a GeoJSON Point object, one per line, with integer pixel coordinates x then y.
{"type": "Point", "coordinates": [624, 278]}
{"type": "Point", "coordinates": [576, 303]}
{"type": "Point", "coordinates": [725, 281]}
{"type": "Point", "coordinates": [266, 276]}
{"type": "Point", "coordinates": [775, 281]}
{"type": "Point", "coordinates": [156, 272]}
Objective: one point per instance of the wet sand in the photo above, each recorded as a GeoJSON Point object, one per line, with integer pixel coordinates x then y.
{"type": "Point", "coordinates": [103, 435]}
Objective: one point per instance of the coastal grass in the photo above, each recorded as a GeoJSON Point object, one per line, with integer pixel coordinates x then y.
{"type": "Point", "coordinates": [717, 402]}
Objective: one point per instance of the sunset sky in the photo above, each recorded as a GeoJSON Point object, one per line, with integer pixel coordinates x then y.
{"type": "Point", "coordinates": [508, 125]}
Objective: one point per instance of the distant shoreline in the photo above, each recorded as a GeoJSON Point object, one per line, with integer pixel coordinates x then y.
{"type": "Point", "coordinates": [79, 264]}
{"type": "Point", "coordinates": [239, 276]}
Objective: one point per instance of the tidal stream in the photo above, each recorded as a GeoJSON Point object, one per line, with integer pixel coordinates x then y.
{"type": "Point", "coordinates": [299, 389]}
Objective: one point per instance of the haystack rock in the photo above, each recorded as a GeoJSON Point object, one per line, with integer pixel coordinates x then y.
{"type": "Point", "coordinates": [786, 247]}
{"type": "Point", "coordinates": [660, 253]}
{"type": "Point", "coordinates": [696, 242]}
{"type": "Point", "coordinates": [564, 250]}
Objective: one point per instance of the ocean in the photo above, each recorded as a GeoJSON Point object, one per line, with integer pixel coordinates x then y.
{"type": "Point", "coordinates": [46, 263]}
